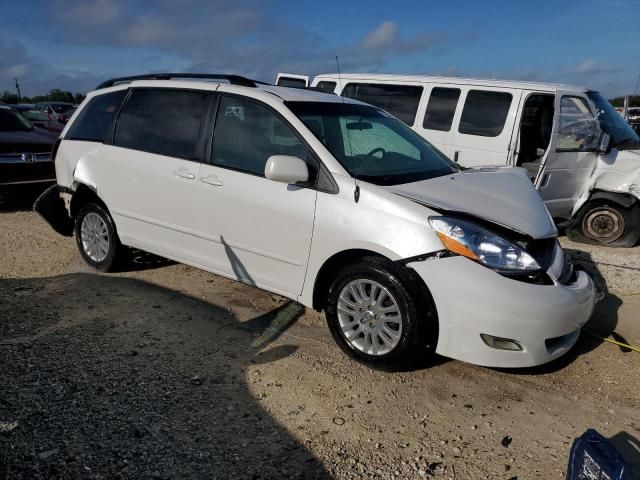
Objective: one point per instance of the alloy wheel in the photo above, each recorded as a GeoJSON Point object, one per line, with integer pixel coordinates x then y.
{"type": "Point", "coordinates": [369, 317]}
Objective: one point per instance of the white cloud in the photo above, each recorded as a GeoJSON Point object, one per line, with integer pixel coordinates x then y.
{"type": "Point", "coordinates": [383, 35]}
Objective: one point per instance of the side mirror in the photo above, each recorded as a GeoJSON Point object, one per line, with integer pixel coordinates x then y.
{"type": "Point", "coordinates": [604, 142]}
{"type": "Point", "coordinates": [286, 169]}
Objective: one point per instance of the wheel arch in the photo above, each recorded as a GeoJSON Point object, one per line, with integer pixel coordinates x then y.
{"type": "Point", "coordinates": [82, 195]}
{"type": "Point", "coordinates": [622, 199]}
{"type": "Point", "coordinates": [337, 261]}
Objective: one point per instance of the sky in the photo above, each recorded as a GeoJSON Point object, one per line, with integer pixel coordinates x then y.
{"type": "Point", "coordinates": [76, 44]}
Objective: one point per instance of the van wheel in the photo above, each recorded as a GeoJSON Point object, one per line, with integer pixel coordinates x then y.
{"type": "Point", "coordinates": [378, 317]}
{"type": "Point", "coordinates": [606, 223]}
{"type": "Point", "coordinates": [96, 237]}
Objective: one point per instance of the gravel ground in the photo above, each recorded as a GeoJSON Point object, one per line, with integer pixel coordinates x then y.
{"type": "Point", "coordinates": [165, 371]}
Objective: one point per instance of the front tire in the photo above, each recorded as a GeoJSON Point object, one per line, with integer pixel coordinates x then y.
{"type": "Point", "coordinates": [96, 237]}
{"type": "Point", "coordinates": [377, 315]}
{"type": "Point", "coordinates": [606, 223]}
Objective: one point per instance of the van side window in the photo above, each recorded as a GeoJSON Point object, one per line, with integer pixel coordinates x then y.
{"type": "Point", "coordinates": [93, 122]}
{"type": "Point", "coordinates": [484, 113]}
{"type": "Point", "coordinates": [166, 122]}
{"type": "Point", "coordinates": [326, 86]}
{"type": "Point", "coordinates": [400, 101]}
{"type": "Point", "coordinates": [247, 134]}
{"type": "Point", "coordinates": [441, 108]}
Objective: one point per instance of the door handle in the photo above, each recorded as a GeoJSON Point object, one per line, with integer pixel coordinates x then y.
{"type": "Point", "coordinates": [184, 173]}
{"type": "Point", "coordinates": [211, 180]}
{"type": "Point", "coordinates": [455, 156]}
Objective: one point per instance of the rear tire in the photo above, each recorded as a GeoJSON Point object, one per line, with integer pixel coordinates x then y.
{"type": "Point", "coordinates": [97, 238]}
{"type": "Point", "coordinates": [606, 223]}
{"type": "Point", "coordinates": [378, 315]}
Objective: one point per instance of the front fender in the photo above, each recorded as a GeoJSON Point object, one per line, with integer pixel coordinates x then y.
{"type": "Point", "coordinates": [616, 185]}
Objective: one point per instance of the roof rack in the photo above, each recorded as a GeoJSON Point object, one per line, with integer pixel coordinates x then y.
{"type": "Point", "coordinates": [232, 79]}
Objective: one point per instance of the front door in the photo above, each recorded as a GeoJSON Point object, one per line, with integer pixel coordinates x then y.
{"type": "Point", "coordinates": [258, 231]}
{"type": "Point", "coordinates": [572, 154]}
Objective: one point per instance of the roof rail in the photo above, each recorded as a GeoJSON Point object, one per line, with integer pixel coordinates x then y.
{"type": "Point", "coordinates": [232, 79]}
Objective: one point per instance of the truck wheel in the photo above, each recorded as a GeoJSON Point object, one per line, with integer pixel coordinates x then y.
{"type": "Point", "coordinates": [377, 316]}
{"type": "Point", "coordinates": [96, 237]}
{"type": "Point", "coordinates": [606, 223]}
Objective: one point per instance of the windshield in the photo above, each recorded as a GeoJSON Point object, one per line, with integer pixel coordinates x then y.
{"type": "Point", "coordinates": [35, 115]}
{"type": "Point", "coordinates": [372, 145]}
{"type": "Point", "coordinates": [13, 122]}
{"type": "Point", "coordinates": [612, 122]}
{"type": "Point", "coordinates": [60, 107]}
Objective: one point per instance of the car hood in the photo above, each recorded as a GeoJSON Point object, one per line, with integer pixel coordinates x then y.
{"type": "Point", "coordinates": [33, 141]}
{"type": "Point", "coordinates": [504, 196]}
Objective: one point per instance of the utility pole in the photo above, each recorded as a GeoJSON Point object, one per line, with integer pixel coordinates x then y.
{"type": "Point", "coordinates": [18, 89]}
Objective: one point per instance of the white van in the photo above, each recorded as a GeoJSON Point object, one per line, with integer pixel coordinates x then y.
{"type": "Point", "coordinates": [583, 158]}
{"type": "Point", "coordinates": [327, 201]}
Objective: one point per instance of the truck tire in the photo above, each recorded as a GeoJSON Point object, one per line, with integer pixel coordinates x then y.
{"type": "Point", "coordinates": [607, 223]}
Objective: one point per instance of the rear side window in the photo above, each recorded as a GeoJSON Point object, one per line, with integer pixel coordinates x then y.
{"type": "Point", "coordinates": [485, 113]}
{"type": "Point", "coordinates": [166, 122]}
{"type": "Point", "coordinates": [94, 120]}
{"type": "Point", "coordinates": [400, 101]}
{"type": "Point", "coordinates": [441, 108]}
{"type": "Point", "coordinates": [326, 86]}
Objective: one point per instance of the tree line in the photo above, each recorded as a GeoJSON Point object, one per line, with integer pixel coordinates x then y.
{"type": "Point", "coordinates": [54, 95]}
{"type": "Point", "coordinates": [634, 101]}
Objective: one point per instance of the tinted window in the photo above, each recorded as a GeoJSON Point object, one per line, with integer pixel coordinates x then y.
{"type": "Point", "coordinates": [247, 134]}
{"type": "Point", "coordinates": [94, 120]}
{"type": "Point", "coordinates": [166, 122]}
{"type": "Point", "coordinates": [326, 86]}
{"type": "Point", "coordinates": [441, 108]}
{"type": "Point", "coordinates": [484, 113]}
{"type": "Point", "coordinates": [292, 82]}
{"type": "Point", "coordinates": [13, 122]}
{"type": "Point", "coordinates": [399, 100]}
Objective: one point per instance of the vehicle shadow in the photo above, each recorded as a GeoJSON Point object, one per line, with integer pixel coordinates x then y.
{"type": "Point", "coordinates": [20, 198]}
{"type": "Point", "coordinates": [138, 260]}
{"type": "Point", "coordinates": [112, 377]}
{"type": "Point", "coordinates": [602, 323]}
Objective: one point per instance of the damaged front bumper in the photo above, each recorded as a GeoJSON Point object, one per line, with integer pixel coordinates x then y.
{"type": "Point", "coordinates": [51, 207]}
{"type": "Point", "coordinates": [544, 320]}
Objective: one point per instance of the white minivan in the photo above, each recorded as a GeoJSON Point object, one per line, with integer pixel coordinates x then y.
{"type": "Point", "coordinates": [582, 156]}
{"type": "Point", "coordinates": [327, 201]}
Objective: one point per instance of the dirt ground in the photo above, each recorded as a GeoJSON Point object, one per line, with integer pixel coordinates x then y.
{"type": "Point", "coordinates": [165, 371]}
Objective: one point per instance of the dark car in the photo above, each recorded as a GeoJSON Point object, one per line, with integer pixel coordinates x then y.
{"type": "Point", "coordinates": [39, 118]}
{"type": "Point", "coordinates": [25, 151]}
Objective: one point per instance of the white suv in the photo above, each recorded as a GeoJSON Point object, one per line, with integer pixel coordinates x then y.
{"type": "Point", "coordinates": [327, 201]}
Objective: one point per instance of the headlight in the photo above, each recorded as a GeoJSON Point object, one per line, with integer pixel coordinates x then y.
{"type": "Point", "coordinates": [483, 246]}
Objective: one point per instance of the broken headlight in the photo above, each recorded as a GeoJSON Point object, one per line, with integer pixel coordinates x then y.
{"type": "Point", "coordinates": [483, 246]}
